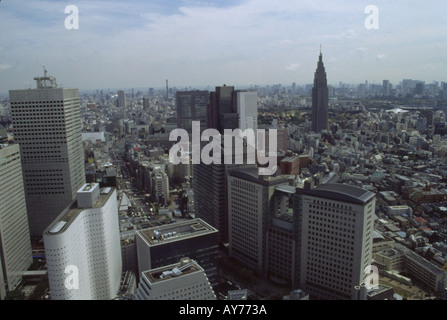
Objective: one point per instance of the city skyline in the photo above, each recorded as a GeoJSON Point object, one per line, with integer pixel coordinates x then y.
{"type": "Point", "coordinates": [141, 44]}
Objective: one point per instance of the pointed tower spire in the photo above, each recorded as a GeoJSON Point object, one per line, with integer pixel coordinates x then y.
{"type": "Point", "coordinates": [320, 98]}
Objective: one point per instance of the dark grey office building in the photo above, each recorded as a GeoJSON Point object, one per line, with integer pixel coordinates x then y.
{"type": "Point", "coordinates": [191, 106]}
{"type": "Point", "coordinates": [320, 99]}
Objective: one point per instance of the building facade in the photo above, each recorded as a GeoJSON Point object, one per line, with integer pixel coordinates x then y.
{"type": "Point", "coordinates": [320, 98]}
{"type": "Point", "coordinates": [335, 225]}
{"type": "Point", "coordinates": [15, 244]}
{"type": "Point", "coordinates": [47, 126]}
{"type": "Point", "coordinates": [83, 249]}
{"type": "Point", "coordinates": [249, 205]}
{"type": "Point", "coordinates": [167, 244]}
{"type": "Point", "coordinates": [192, 106]}
{"type": "Point", "coordinates": [185, 280]}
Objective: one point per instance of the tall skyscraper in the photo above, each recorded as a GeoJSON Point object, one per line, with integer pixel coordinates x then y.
{"type": "Point", "coordinates": [335, 224]}
{"type": "Point", "coordinates": [222, 112]}
{"type": "Point", "coordinates": [121, 103]}
{"type": "Point", "coordinates": [15, 244]}
{"type": "Point", "coordinates": [320, 99]}
{"type": "Point", "coordinates": [386, 88]}
{"type": "Point", "coordinates": [249, 197]}
{"type": "Point", "coordinates": [191, 106]}
{"type": "Point", "coordinates": [210, 188]}
{"type": "Point", "coordinates": [47, 127]}
{"type": "Point", "coordinates": [83, 249]}
{"type": "Point", "coordinates": [247, 109]}
{"type": "Point", "coordinates": [228, 109]}
{"type": "Point", "coordinates": [121, 100]}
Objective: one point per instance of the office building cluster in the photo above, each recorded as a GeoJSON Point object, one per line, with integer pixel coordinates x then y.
{"type": "Point", "coordinates": [93, 206]}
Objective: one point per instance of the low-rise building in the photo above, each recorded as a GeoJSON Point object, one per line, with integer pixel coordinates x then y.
{"type": "Point", "coordinates": [185, 280]}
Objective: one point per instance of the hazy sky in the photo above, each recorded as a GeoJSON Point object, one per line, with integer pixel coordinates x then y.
{"type": "Point", "coordinates": [130, 43]}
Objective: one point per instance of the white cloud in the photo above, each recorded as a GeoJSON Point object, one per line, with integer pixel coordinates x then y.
{"type": "Point", "coordinates": [4, 66]}
{"type": "Point", "coordinates": [293, 66]}
{"type": "Point", "coordinates": [133, 43]}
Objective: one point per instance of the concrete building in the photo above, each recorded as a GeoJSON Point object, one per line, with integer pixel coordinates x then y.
{"type": "Point", "coordinates": [160, 186]}
{"type": "Point", "coordinates": [400, 210]}
{"type": "Point", "coordinates": [281, 237]}
{"type": "Point", "coordinates": [249, 196]}
{"type": "Point", "coordinates": [192, 106]}
{"type": "Point", "coordinates": [15, 244]}
{"type": "Point", "coordinates": [320, 99]}
{"type": "Point", "coordinates": [335, 226]}
{"type": "Point", "coordinates": [247, 109]}
{"type": "Point", "coordinates": [290, 165]}
{"type": "Point", "coordinates": [85, 240]}
{"type": "Point", "coordinates": [47, 126]}
{"type": "Point", "coordinates": [167, 244]}
{"type": "Point", "coordinates": [222, 113]}
{"type": "Point", "coordinates": [211, 190]}
{"type": "Point", "coordinates": [431, 277]}
{"type": "Point", "coordinates": [184, 280]}
{"type": "Point", "coordinates": [121, 102]}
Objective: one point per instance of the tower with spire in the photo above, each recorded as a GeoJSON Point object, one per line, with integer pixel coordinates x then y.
{"type": "Point", "coordinates": [320, 98]}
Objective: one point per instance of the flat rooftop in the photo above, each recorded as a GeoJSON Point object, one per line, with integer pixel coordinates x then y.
{"type": "Point", "coordinates": [176, 270]}
{"type": "Point", "coordinates": [340, 192]}
{"type": "Point", "coordinates": [69, 214]}
{"type": "Point", "coordinates": [176, 231]}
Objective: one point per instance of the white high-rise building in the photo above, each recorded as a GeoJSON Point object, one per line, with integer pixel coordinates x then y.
{"type": "Point", "coordinates": [247, 109]}
{"type": "Point", "coordinates": [82, 247]}
{"type": "Point", "coordinates": [185, 280]}
{"type": "Point", "coordinates": [47, 127]}
{"type": "Point", "coordinates": [15, 244]}
{"type": "Point", "coordinates": [335, 244]}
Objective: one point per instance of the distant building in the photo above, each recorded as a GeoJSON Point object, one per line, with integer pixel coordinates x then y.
{"type": "Point", "coordinates": [222, 112]}
{"type": "Point", "coordinates": [192, 106]}
{"type": "Point", "coordinates": [386, 88]}
{"type": "Point", "coordinates": [15, 244]}
{"type": "Point", "coordinates": [400, 210]}
{"type": "Point", "coordinates": [290, 165]}
{"type": "Point", "coordinates": [85, 238]}
{"type": "Point", "coordinates": [184, 280]}
{"type": "Point", "coordinates": [247, 109]}
{"type": "Point", "coordinates": [160, 186]}
{"type": "Point", "coordinates": [320, 99]}
{"type": "Point", "coordinates": [121, 102]}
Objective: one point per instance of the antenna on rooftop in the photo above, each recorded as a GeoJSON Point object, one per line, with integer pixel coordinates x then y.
{"type": "Point", "coordinates": [45, 81]}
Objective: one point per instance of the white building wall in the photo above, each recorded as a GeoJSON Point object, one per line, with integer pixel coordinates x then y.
{"type": "Point", "coordinates": [15, 244]}
{"type": "Point", "coordinates": [91, 243]}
